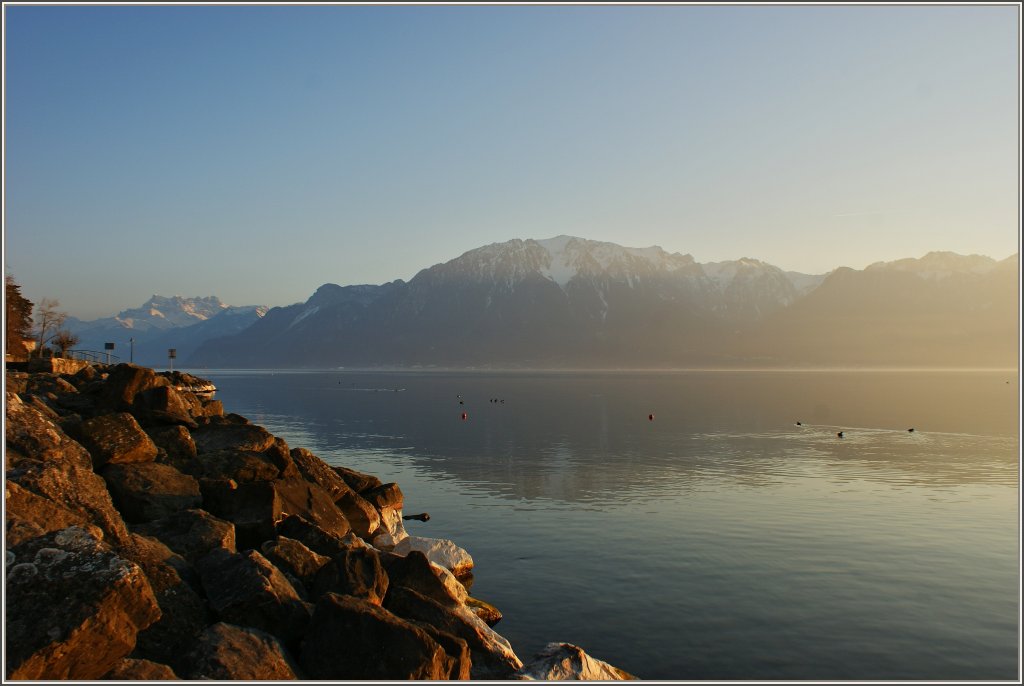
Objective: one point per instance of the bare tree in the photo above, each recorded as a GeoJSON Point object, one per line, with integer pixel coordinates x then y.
{"type": "Point", "coordinates": [49, 320]}
{"type": "Point", "coordinates": [64, 340]}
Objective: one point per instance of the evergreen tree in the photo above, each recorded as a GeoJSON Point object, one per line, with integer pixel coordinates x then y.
{"type": "Point", "coordinates": [18, 316]}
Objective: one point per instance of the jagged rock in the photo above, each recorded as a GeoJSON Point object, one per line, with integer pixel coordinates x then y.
{"type": "Point", "coordinates": [24, 506]}
{"type": "Point", "coordinates": [493, 657]}
{"type": "Point", "coordinates": [314, 469]}
{"type": "Point", "coordinates": [455, 647]}
{"type": "Point", "coordinates": [129, 669]}
{"type": "Point", "coordinates": [16, 382]}
{"type": "Point", "coordinates": [165, 405]}
{"type": "Point", "coordinates": [146, 491]}
{"type": "Point", "coordinates": [357, 481]}
{"type": "Point", "coordinates": [253, 508]}
{"type": "Point", "coordinates": [242, 466]}
{"type": "Point", "coordinates": [356, 572]}
{"type": "Point", "coordinates": [292, 557]}
{"type": "Point", "coordinates": [256, 506]}
{"type": "Point", "coordinates": [567, 662]}
{"type": "Point", "coordinates": [116, 438]}
{"type": "Point", "coordinates": [308, 500]}
{"type": "Point", "coordinates": [440, 551]}
{"type": "Point", "coordinates": [178, 446]}
{"type": "Point", "coordinates": [280, 455]}
{"type": "Point", "coordinates": [185, 382]}
{"type": "Point", "coordinates": [183, 611]}
{"type": "Point", "coordinates": [124, 382]}
{"type": "Point", "coordinates": [377, 644]}
{"type": "Point", "coordinates": [415, 571]}
{"type": "Point", "coordinates": [212, 408]}
{"type": "Point", "coordinates": [312, 536]}
{"type": "Point", "coordinates": [485, 611]}
{"type": "Point", "coordinates": [229, 652]}
{"type": "Point", "coordinates": [75, 487]}
{"type": "Point", "coordinates": [231, 436]}
{"type": "Point", "coordinates": [45, 404]}
{"type": "Point", "coordinates": [51, 385]}
{"type": "Point", "coordinates": [32, 436]}
{"type": "Point", "coordinates": [361, 515]}
{"type": "Point", "coordinates": [386, 496]}
{"type": "Point", "coordinates": [191, 533]}
{"type": "Point", "coordinates": [246, 589]}
{"type": "Point", "coordinates": [84, 376]}
{"type": "Point", "coordinates": [387, 500]}
{"type": "Point", "coordinates": [104, 601]}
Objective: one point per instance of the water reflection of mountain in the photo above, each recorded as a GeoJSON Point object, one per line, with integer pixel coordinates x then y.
{"type": "Point", "coordinates": [586, 438]}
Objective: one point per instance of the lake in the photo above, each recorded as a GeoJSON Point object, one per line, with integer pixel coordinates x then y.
{"type": "Point", "coordinates": [717, 540]}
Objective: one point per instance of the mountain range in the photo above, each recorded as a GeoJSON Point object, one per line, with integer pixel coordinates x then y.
{"type": "Point", "coordinates": [572, 302]}
{"type": "Point", "coordinates": [144, 334]}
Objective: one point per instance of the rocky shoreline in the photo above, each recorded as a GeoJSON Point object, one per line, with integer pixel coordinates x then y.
{"type": "Point", "coordinates": [151, 535]}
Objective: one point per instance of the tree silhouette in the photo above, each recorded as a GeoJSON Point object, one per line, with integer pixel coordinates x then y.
{"type": "Point", "coordinates": [18, 320]}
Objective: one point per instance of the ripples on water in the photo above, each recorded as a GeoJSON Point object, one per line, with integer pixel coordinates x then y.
{"type": "Point", "coordinates": [719, 541]}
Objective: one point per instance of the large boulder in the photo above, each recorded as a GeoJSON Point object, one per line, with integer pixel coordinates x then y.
{"type": "Point", "coordinates": [357, 481]}
{"type": "Point", "coordinates": [231, 436]}
{"type": "Point", "coordinates": [183, 611]}
{"type": "Point", "coordinates": [124, 382]}
{"type": "Point", "coordinates": [440, 551]}
{"type": "Point", "coordinates": [146, 491]}
{"type": "Point", "coordinates": [246, 589]}
{"type": "Point", "coordinates": [131, 669]}
{"type": "Point", "coordinates": [387, 500]}
{"type": "Point", "coordinates": [314, 469]}
{"type": "Point", "coordinates": [353, 639]}
{"type": "Point", "coordinates": [256, 507]}
{"type": "Point", "coordinates": [242, 466]}
{"type": "Point", "coordinates": [165, 405]}
{"type": "Point", "coordinates": [77, 488]}
{"type": "Point", "coordinates": [568, 662]}
{"type": "Point", "coordinates": [191, 533]}
{"type": "Point", "coordinates": [30, 435]}
{"type": "Point", "coordinates": [226, 652]}
{"type": "Point", "coordinates": [292, 557]}
{"type": "Point", "coordinates": [415, 571]}
{"type": "Point", "coordinates": [493, 657]}
{"type": "Point", "coordinates": [116, 438]}
{"type": "Point", "coordinates": [361, 515]}
{"type": "Point", "coordinates": [356, 572]}
{"type": "Point", "coordinates": [25, 508]}
{"type": "Point", "coordinates": [73, 607]}
{"type": "Point", "coordinates": [314, 537]}
{"type": "Point", "coordinates": [253, 508]}
{"type": "Point", "coordinates": [178, 446]}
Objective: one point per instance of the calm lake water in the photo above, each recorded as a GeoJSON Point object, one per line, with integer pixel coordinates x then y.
{"type": "Point", "coordinates": [719, 541]}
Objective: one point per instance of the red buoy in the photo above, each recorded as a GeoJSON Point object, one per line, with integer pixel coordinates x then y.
{"type": "Point", "coordinates": [465, 416]}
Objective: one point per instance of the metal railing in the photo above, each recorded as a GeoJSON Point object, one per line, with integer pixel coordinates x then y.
{"type": "Point", "coordinates": [101, 357]}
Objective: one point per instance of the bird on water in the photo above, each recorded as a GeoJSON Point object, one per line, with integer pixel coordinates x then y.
{"type": "Point", "coordinates": [839, 434]}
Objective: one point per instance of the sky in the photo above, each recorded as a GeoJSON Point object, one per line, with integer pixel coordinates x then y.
{"type": "Point", "coordinates": [257, 152]}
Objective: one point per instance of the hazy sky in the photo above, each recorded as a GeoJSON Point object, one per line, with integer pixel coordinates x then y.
{"type": "Point", "coordinates": [258, 152]}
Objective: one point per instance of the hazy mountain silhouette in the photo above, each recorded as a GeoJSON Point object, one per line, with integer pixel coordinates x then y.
{"type": "Point", "coordinates": [572, 302]}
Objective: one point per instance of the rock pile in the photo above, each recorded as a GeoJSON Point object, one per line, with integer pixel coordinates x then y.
{"type": "Point", "coordinates": [150, 535]}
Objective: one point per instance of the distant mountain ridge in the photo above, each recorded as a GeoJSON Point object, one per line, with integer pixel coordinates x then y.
{"type": "Point", "coordinates": [162, 323]}
{"type": "Point", "coordinates": [568, 301]}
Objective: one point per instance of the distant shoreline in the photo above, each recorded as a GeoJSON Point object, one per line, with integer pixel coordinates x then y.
{"type": "Point", "coordinates": [599, 370]}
